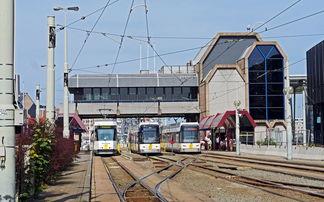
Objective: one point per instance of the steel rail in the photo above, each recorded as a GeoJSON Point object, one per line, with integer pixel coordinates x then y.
{"type": "Point", "coordinates": [183, 166]}
{"type": "Point", "coordinates": [119, 193]}
{"type": "Point", "coordinates": [276, 171]}
{"type": "Point", "coordinates": [273, 163]}
{"type": "Point", "coordinates": [248, 184]}
{"type": "Point", "coordinates": [278, 185]}
{"type": "Point", "coordinates": [275, 184]}
{"type": "Point", "coordinates": [136, 180]}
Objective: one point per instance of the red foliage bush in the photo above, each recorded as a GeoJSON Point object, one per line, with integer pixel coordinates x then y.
{"type": "Point", "coordinates": [63, 151]}
{"type": "Point", "coordinates": [61, 155]}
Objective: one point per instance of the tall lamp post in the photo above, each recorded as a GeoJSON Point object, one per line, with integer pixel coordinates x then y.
{"type": "Point", "coordinates": [66, 131]}
{"type": "Point", "coordinates": [237, 127]}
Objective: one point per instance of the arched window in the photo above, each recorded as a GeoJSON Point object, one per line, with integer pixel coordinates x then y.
{"type": "Point", "coordinates": [266, 82]}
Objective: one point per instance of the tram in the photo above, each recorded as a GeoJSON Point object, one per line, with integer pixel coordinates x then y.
{"type": "Point", "coordinates": [145, 138]}
{"type": "Point", "coordinates": [104, 137]}
{"type": "Point", "coordinates": [184, 136]}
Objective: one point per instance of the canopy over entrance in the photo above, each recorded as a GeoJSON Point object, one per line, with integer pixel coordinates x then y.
{"type": "Point", "coordinates": [76, 124]}
{"type": "Point", "coordinates": [226, 120]}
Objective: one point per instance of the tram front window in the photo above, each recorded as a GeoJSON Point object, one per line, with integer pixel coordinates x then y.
{"type": "Point", "coordinates": [190, 134]}
{"type": "Point", "coordinates": [105, 134]}
{"type": "Point", "coordinates": [150, 134]}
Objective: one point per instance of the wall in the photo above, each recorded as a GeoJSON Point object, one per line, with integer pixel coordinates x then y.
{"type": "Point", "coordinates": [224, 88]}
{"type": "Point", "coordinates": [299, 152]}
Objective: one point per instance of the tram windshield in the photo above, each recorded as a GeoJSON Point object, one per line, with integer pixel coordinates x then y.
{"type": "Point", "coordinates": [106, 134]}
{"type": "Point", "coordinates": [190, 134]}
{"type": "Point", "coordinates": [150, 134]}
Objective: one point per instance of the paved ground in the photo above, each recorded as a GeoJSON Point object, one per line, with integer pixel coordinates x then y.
{"type": "Point", "coordinates": [73, 184]}
{"type": "Point", "coordinates": [102, 188]}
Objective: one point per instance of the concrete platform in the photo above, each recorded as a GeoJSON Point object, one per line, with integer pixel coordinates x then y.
{"type": "Point", "coordinates": [102, 188]}
{"type": "Point", "coordinates": [73, 184]}
{"type": "Point", "coordinates": [257, 156]}
{"type": "Point", "coordinates": [298, 152]}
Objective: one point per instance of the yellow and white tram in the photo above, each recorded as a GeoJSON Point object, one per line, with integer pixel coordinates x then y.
{"type": "Point", "coordinates": [145, 138]}
{"type": "Point", "coordinates": [184, 136]}
{"type": "Point", "coordinates": [105, 137]}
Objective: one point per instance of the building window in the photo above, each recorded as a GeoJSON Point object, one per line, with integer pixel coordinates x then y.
{"type": "Point", "coordinates": [168, 93]}
{"type": "Point", "coordinates": [87, 94]}
{"type": "Point", "coordinates": [96, 93]}
{"type": "Point", "coordinates": [105, 93]}
{"type": "Point", "coordinates": [266, 82]}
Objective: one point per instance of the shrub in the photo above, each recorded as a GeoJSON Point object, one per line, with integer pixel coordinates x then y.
{"type": "Point", "coordinates": [42, 153]}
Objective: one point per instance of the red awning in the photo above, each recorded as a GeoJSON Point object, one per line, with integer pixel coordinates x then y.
{"type": "Point", "coordinates": [74, 118]}
{"type": "Point", "coordinates": [226, 119]}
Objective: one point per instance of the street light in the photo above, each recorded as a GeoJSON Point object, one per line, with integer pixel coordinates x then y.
{"type": "Point", "coordinates": [287, 92]}
{"type": "Point", "coordinates": [66, 131]}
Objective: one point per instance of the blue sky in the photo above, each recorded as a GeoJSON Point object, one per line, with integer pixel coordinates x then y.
{"type": "Point", "coordinates": [182, 18]}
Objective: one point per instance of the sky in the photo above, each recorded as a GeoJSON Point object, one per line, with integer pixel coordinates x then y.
{"type": "Point", "coordinates": [192, 22]}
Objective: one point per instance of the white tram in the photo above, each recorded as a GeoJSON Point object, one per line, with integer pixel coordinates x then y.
{"type": "Point", "coordinates": [104, 137]}
{"type": "Point", "coordinates": [145, 138]}
{"type": "Point", "coordinates": [184, 136]}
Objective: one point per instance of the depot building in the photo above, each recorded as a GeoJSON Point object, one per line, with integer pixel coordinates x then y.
{"type": "Point", "coordinates": [242, 68]}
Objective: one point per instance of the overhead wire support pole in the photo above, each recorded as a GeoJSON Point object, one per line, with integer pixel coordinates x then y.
{"type": "Point", "coordinates": [7, 110]}
{"type": "Point", "coordinates": [287, 91]}
{"type": "Point", "coordinates": [66, 128]}
{"type": "Point", "coordinates": [50, 85]}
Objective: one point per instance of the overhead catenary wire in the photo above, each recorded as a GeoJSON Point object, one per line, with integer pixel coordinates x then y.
{"type": "Point", "coordinates": [186, 37]}
{"type": "Point", "coordinates": [276, 70]}
{"type": "Point", "coordinates": [121, 40]}
{"type": "Point", "coordinates": [233, 43]}
{"type": "Point", "coordinates": [136, 59]}
{"type": "Point", "coordinates": [293, 21]}
{"type": "Point", "coordinates": [281, 12]}
{"type": "Point", "coordinates": [219, 54]}
{"type": "Point", "coordinates": [88, 34]}
{"type": "Point", "coordinates": [84, 17]}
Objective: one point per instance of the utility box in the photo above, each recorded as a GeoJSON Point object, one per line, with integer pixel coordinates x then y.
{"type": "Point", "coordinates": [19, 117]}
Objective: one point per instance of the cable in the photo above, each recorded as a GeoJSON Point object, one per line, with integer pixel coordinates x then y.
{"type": "Point", "coordinates": [84, 17]}
{"type": "Point", "coordinates": [187, 38]}
{"type": "Point", "coordinates": [276, 70]}
{"type": "Point", "coordinates": [292, 36]}
{"type": "Point", "coordinates": [121, 40]}
{"type": "Point", "coordinates": [147, 26]}
{"type": "Point", "coordinates": [278, 14]}
{"type": "Point", "coordinates": [88, 34]}
{"type": "Point", "coordinates": [287, 23]}
{"type": "Point", "coordinates": [136, 59]}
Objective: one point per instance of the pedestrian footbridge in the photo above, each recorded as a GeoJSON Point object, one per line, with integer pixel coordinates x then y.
{"type": "Point", "coordinates": [135, 95]}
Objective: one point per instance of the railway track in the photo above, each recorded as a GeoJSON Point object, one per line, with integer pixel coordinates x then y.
{"type": "Point", "coordinates": [131, 188]}
{"type": "Point", "coordinates": [123, 182]}
{"type": "Point", "coordinates": [305, 171]}
{"type": "Point", "coordinates": [287, 190]}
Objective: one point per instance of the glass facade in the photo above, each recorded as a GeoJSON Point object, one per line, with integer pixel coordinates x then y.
{"type": "Point", "coordinates": [131, 94]}
{"type": "Point", "coordinates": [266, 82]}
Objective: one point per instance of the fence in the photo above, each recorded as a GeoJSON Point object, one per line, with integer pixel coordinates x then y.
{"type": "Point", "coordinates": [275, 136]}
